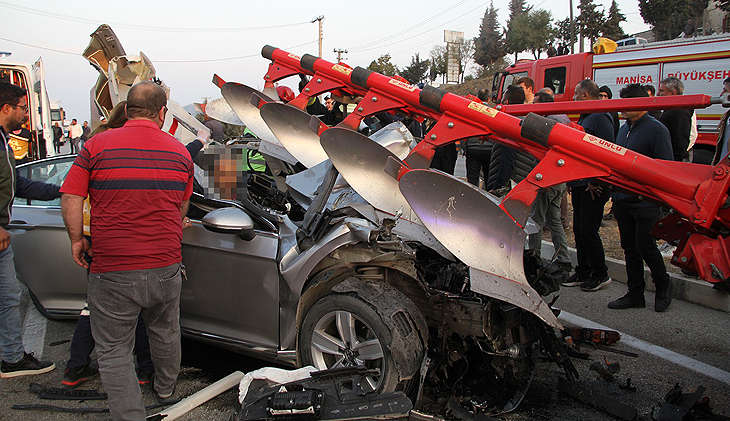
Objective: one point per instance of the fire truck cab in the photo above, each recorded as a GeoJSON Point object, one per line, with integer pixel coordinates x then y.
{"type": "Point", "coordinates": [702, 63]}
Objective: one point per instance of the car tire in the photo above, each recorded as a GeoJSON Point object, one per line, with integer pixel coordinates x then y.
{"type": "Point", "coordinates": [365, 322]}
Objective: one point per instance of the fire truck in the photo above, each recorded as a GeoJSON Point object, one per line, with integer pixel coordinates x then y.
{"type": "Point", "coordinates": [32, 78]}
{"type": "Point", "coordinates": [702, 63]}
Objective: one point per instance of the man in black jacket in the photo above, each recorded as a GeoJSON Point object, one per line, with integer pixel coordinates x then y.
{"type": "Point", "coordinates": [15, 361]}
{"type": "Point", "coordinates": [643, 134]}
{"type": "Point", "coordinates": [588, 200]}
{"type": "Point", "coordinates": [679, 122]}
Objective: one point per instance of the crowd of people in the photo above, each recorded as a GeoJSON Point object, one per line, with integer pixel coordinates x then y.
{"type": "Point", "coordinates": [668, 135]}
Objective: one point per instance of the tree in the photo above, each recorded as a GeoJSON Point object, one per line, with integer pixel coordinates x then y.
{"type": "Point", "coordinates": [531, 31]}
{"type": "Point", "coordinates": [437, 65]}
{"type": "Point", "coordinates": [563, 32]}
{"type": "Point", "coordinates": [590, 20]}
{"type": "Point", "coordinates": [669, 17]}
{"type": "Point", "coordinates": [513, 42]}
{"type": "Point", "coordinates": [383, 66]}
{"type": "Point", "coordinates": [464, 55]}
{"type": "Point", "coordinates": [416, 72]}
{"type": "Point", "coordinates": [612, 27]}
{"type": "Point", "coordinates": [489, 45]}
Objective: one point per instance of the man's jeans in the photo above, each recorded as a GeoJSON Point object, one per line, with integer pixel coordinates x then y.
{"type": "Point", "coordinates": [634, 227]}
{"type": "Point", "coordinates": [116, 299]}
{"type": "Point", "coordinates": [546, 212]}
{"type": "Point", "coordinates": [11, 329]}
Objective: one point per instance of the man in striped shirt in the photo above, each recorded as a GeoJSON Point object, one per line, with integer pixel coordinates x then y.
{"type": "Point", "coordinates": [139, 181]}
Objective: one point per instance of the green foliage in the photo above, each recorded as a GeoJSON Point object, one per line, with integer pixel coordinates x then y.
{"type": "Point", "coordinates": [489, 46]}
{"type": "Point", "coordinates": [669, 17]}
{"type": "Point", "coordinates": [562, 33]}
{"type": "Point", "coordinates": [590, 20]}
{"type": "Point", "coordinates": [416, 71]}
{"type": "Point", "coordinates": [514, 43]}
{"type": "Point", "coordinates": [383, 66]}
{"type": "Point", "coordinates": [437, 64]}
{"type": "Point", "coordinates": [531, 31]}
{"type": "Point", "coordinates": [612, 27]}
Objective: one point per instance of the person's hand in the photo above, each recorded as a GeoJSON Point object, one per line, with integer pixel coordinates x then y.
{"type": "Point", "coordinates": [186, 222]}
{"type": "Point", "coordinates": [594, 190]}
{"type": "Point", "coordinates": [4, 239]}
{"type": "Point", "coordinates": [204, 136]}
{"type": "Point", "coordinates": [78, 248]}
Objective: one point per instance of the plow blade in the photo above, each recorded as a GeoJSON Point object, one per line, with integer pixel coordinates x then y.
{"type": "Point", "coordinates": [238, 96]}
{"type": "Point", "coordinates": [292, 127]}
{"type": "Point", "coordinates": [362, 162]}
{"type": "Point", "coordinates": [220, 110]}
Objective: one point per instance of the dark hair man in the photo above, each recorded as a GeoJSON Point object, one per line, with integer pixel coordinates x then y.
{"type": "Point", "coordinates": [136, 229]}
{"type": "Point", "coordinates": [588, 199]}
{"type": "Point", "coordinates": [678, 122]}
{"type": "Point", "coordinates": [75, 131]}
{"type": "Point", "coordinates": [528, 85]}
{"type": "Point", "coordinates": [478, 150]}
{"type": "Point", "coordinates": [13, 114]}
{"type": "Point", "coordinates": [604, 92]}
{"type": "Point", "coordinates": [652, 92]}
{"type": "Point", "coordinates": [643, 134]}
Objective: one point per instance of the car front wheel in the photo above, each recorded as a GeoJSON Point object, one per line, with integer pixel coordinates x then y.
{"type": "Point", "coordinates": [369, 324]}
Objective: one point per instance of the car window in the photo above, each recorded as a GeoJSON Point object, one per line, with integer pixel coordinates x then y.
{"type": "Point", "coordinates": [555, 79]}
{"type": "Point", "coordinates": [53, 172]}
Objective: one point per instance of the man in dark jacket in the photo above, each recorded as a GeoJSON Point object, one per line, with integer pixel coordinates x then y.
{"type": "Point", "coordinates": [57, 135]}
{"type": "Point", "coordinates": [15, 361]}
{"type": "Point", "coordinates": [478, 151]}
{"type": "Point", "coordinates": [589, 199]}
{"type": "Point", "coordinates": [641, 133]}
{"type": "Point", "coordinates": [678, 122]}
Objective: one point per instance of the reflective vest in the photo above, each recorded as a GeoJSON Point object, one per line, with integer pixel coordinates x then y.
{"type": "Point", "coordinates": [255, 161]}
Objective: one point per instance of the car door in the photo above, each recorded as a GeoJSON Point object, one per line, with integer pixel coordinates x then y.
{"type": "Point", "coordinates": [41, 246]}
{"type": "Point", "coordinates": [232, 290]}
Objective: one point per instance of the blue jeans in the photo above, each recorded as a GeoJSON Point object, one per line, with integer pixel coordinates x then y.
{"type": "Point", "coordinates": [11, 328]}
{"type": "Point", "coordinates": [116, 299]}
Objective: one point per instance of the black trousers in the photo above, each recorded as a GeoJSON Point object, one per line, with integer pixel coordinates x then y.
{"type": "Point", "coordinates": [587, 217]}
{"type": "Point", "coordinates": [634, 227]}
{"type": "Point", "coordinates": [477, 160]}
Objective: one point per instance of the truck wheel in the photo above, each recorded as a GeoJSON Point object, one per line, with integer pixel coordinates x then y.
{"type": "Point", "coordinates": [365, 323]}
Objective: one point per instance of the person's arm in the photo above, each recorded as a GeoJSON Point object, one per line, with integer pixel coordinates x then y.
{"type": "Point", "coordinates": [38, 190]}
{"type": "Point", "coordinates": [72, 210]}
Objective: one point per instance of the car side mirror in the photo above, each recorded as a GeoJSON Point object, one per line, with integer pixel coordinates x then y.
{"type": "Point", "coordinates": [230, 221]}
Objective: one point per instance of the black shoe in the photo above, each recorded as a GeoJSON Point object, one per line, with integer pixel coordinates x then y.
{"type": "Point", "coordinates": [29, 365]}
{"type": "Point", "coordinates": [628, 301]}
{"type": "Point", "coordinates": [76, 376]}
{"type": "Point", "coordinates": [663, 296]}
{"type": "Point", "coordinates": [594, 283]}
{"type": "Point", "coordinates": [144, 377]}
{"type": "Point", "coordinates": [573, 281]}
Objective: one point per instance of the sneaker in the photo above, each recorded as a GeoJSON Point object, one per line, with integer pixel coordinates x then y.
{"type": "Point", "coordinates": [574, 281]}
{"type": "Point", "coordinates": [29, 365]}
{"type": "Point", "coordinates": [594, 283]}
{"type": "Point", "coordinates": [164, 400]}
{"type": "Point", "coordinates": [628, 301]}
{"type": "Point", "coordinates": [663, 296]}
{"type": "Point", "coordinates": [76, 376]}
{"type": "Point", "coordinates": [144, 377]}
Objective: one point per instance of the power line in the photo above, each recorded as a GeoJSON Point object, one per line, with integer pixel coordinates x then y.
{"type": "Point", "coordinates": [429, 30]}
{"type": "Point", "coordinates": [142, 27]}
{"type": "Point", "coordinates": [437, 38]}
{"type": "Point", "coordinates": [156, 61]}
{"type": "Point", "coordinates": [360, 47]}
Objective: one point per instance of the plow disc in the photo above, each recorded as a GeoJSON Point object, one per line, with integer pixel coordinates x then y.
{"type": "Point", "coordinates": [292, 127]}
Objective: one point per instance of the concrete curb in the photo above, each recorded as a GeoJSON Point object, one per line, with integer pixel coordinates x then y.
{"type": "Point", "coordinates": [691, 290]}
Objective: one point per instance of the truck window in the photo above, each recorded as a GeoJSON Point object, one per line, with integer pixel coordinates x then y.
{"type": "Point", "coordinates": [511, 79]}
{"type": "Point", "coordinates": [555, 79]}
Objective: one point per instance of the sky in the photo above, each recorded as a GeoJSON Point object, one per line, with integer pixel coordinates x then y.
{"type": "Point", "coordinates": [192, 40]}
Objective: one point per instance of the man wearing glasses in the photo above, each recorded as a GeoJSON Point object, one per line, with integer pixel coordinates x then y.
{"type": "Point", "coordinates": [139, 180]}
{"type": "Point", "coordinates": [13, 114]}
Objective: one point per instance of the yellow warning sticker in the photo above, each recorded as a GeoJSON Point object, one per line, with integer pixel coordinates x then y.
{"type": "Point", "coordinates": [342, 69]}
{"type": "Point", "coordinates": [483, 109]}
{"type": "Point", "coordinates": [605, 144]}
{"type": "Point", "coordinates": [398, 83]}
{"type": "Point", "coordinates": [294, 56]}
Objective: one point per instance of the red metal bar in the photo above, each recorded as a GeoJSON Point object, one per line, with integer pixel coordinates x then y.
{"type": "Point", "coordinates": [610, 105]}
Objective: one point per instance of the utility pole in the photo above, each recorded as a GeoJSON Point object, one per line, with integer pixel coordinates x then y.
{"type": "Point", "coordinates": [339, 52]}
{"type": "Point", "coordinates": [319, 19]}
